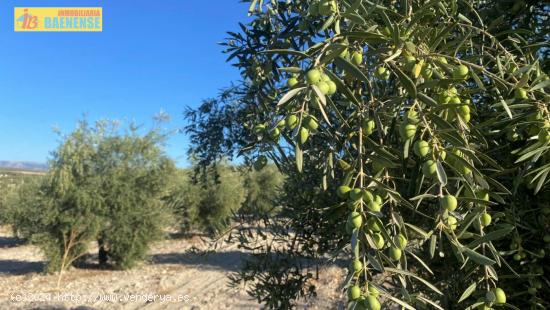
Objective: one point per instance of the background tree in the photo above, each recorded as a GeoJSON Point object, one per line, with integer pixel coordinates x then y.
{"type": "Point", "coordinates": [223, 195]}
{"type": "Point", "coordinates": [184, 200]}
{"type": "Point", "coordinates": [209, 200]}
{"type": "Point", "coordinates": [10, 181]}
{"type": "Point", "coordinates": [216, 129]}
{"type": "Point", "coordinates": [264, 189]}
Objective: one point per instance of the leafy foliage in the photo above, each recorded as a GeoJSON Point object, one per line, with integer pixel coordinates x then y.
{"type": "Point", "coordinates": [214, 129]}
{"type": "Point", "coordinates": [135, 175]}
{"type": "Point", "coordinates": [263, 190]}
{"type": "Point", "coordinates": [208, 203]}
{"type": "Point", "coordinates": [10, 182]}
{"type": "Point", "coordinates": [100, 186]}
{"type": "Point", "coordinates": [184, 199]}
{"type": "Point", "coordinates": [223, 195]}
{"type": "Point", "coordinates": [429, 120]}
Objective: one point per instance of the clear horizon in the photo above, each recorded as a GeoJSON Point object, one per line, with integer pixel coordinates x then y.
{"type": "Point", "coordinates": [150, 57]}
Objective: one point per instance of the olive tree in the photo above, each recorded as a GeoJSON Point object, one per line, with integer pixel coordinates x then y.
{"type": "Point", "coordinates": [59, 213]}
{"type": "Point", "coordinates": [263, 185]}
{"type": "Point", "coordinates": [102, 185]}
{"type": "Point", "coordinates": [208, 200]}
{"type": "Point", "coordinates": [135, 176]}
{"type": "Point", "coordinates": [223, 195]}
{"type": "Point", "coordinates": [425, 124]}
{"type": "Point", "coordinates": [184, 199]}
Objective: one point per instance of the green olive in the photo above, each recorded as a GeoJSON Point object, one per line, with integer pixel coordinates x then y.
{"type": "Point", "coordinates": [401, 241]}
{"type": "Point", "coordinates": [367, 196]}
{"type": "Point", "coordinates": [355, 219]}
{"type": "Point", "coordinates": [373, 291]}
{"type": "Point", "coordinates": [357, 58]}
{"type": "Point", "coordinates": [323, 87]}
{"type": "Point", "coordinates": [291, 121]}
{"type": "Point", "coordinates": [380, 72]}
{"type": "Point", "coordinates": [452, 222]}
{"type": "Point", "coordinates": [485, 219]}
{"type": "Point", "coordinates": [313, 76]}
{"type": "Point", "coordinates": [357, 266]}
{"type": "Point", "coordinates": [378, 240]}
{"type": "Point", "coordinates": [448, 202]}
{"type": "Point", "coordinates": [373, 225]}
{"type": "Point", "coordinates": [372, 303]}
{"type": "Point", "coordinates": [332, 88]}
{"type": "Point", "coordinates": [410, 61]}
{"type": "Point", "coordinates": [343, 191]}
{"type": "Point", "coordinates": [520, 94]}
{"type": "Point", "coordinates": [460, 72]}
{"type": "Point", "coordinates": [483, 194]}
{"type": "Point", "coordinates": [327, 7]}
{"type": "Point", "coordinates": [421, 148]}
{"type": "Point", "coordinates": [311, 123]}
{"type": "Point", "coordinates": [355, 194]}
{"type": "Point", "coordinates": [291, 82]}
{"type": "Point", "coordinates": [427, 71]}
{"type": "Point", "coordinates": [354, 292]}
{"type": "Point", "coordinates": [395, 253]}
{"type": "Point", "coordinates": [374, 206]}
{"type": "Point", "coordinates": [429, 168]}
{"type": "Point", "coordinates": [304, 134]}
{"type": "Point", "coordinates": [275, 133]}
{"type": "Point", "coordinates": [368, 127]}
{"type": "Point", "coordinates": [259, 129]}
{"type": "Point", "coordinates": [500, 296]}
{"type": "Point", "coordinates": [407, 131]}
{"type": "Point", "coordinates": [412, 117]}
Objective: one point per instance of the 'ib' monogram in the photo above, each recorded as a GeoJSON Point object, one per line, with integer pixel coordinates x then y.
{"type": "Point", "coordinates": [29, 21]}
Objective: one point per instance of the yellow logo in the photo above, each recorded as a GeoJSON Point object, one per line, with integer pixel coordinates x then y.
{"type": "Point", "coordinates": [89, 19]}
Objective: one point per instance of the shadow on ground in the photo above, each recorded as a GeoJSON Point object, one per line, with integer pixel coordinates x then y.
{"type": "Point", "coordinates": [10, 242]}
{"type": "Point", "coordinates": [230, 261]}
{"type": "Point", "coordinates": [18, 267]}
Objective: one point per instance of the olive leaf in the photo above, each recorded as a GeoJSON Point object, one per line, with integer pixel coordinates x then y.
{"type": "Point", "coordinates": [351, 68]}
{"type": "Point", "coordinates": [406, 82]}
{"type": "Point", "coordinates": [410, 274]}
{"type": "Point", "coordinates": [289, 95]}
{"type": "Point", "coordinates": [299, 157]}
{"type": "Point", "coordinates": [491, 236]}
{"type": "Point", "coordinates": [478, 258]}
{"type": "Point", "coordinates": [467, 292]}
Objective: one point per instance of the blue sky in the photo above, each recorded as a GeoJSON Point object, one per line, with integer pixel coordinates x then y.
{"type": "Point", "coordinates": [151, 56]}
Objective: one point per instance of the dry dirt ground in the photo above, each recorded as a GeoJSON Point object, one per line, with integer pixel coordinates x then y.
{"type": "Point", "coordinates": [177, 276]}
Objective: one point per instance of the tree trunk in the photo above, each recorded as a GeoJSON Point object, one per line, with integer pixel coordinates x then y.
{"type": "Point", "coordinates": [102, 254]}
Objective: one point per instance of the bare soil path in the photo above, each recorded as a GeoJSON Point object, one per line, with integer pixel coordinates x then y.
{"type": "Point", "coordinates": [176, 277]}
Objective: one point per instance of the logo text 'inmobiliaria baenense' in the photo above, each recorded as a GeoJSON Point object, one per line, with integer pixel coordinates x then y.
{"type": "Point", "coordinates": [58, 19]}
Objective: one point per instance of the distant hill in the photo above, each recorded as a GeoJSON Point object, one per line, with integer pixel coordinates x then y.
{"type": "Point", "coordinates": [23, 165]}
